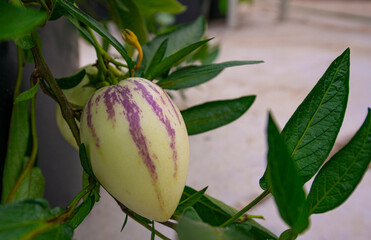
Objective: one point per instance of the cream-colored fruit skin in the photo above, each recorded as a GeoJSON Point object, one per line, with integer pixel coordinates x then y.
{"type": "Point", "coordinates": [117, 162]}
{"type": "Point", "coordinates": [78, 96]}
{"type": "Point", "coordinates": [64, 128]}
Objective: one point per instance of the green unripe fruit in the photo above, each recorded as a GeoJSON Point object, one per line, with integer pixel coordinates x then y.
{"type": "Point", "coordinates": [78, 96]}
{"type": "Point", "coordinates": [137, 143]}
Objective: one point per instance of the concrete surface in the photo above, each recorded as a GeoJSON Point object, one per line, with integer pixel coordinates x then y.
{"type": "Point", "coordinates": [230, 160]}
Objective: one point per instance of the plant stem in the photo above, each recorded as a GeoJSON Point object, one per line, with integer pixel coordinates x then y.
{"type": "Point", "coordinates": [46, 75]}
{"type": "Point", "coordinates": [248, 207]}
{"type": "Point", "coordinates": [19, 73]}
{"type": "Point", "coordinates": [99, 50]}
{"type": "Point", "coordinates": [32, 159]}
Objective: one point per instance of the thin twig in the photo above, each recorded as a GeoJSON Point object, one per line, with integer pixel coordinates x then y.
{"type": "Point", "coordinates": [47, 76]}
{"type": "Point", "coordinates": [247, 208]}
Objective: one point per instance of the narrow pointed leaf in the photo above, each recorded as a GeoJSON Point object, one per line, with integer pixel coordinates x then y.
{"type": "Point", "coordinates": [339, 177]}
{"type": "Point", "coordinates": [194, 75]}
{"type": "Point", "coordinates": [211, 115]}
{"type": "Point", "coordinates": [189, 202]}
{"type": "Point", "coordinates": [18, 21]}
{"type": "Point", "coordinates": [180, 38]}
{"type": "Point", "coordinates": [311, 131]}
{"type": "Point", "coordinates": [169, 61]}
{"type": "Point", "coordinates": [71, 81]}
{"type": "Point", "coordinates": [17, 145]}
{"type": "Point", "coordinates": [83, 31]}
{"type": "Point", "coordinates": [159, 55]}
{"type": "Point", "coordinates": [26, 95]}
{"type": "Point", "coordinates": [286, 184]}
{"type": "Point", "coordinates": [89, 21]}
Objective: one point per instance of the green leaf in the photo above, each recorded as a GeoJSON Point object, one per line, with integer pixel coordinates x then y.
{"type": "Point", "coordinates": [26, 95]}
{"type": "Point", "coordinates": [216, 212]}
{"type": "Point", "coordinates": [32, 185]}
{"type": "Point", "coordinates": [125, 222]}
{"type": "Point", "coordinates": [206, 54]}
{"type": "Point", "coordinates": [82, 29]}
{"type": "Point", "coordinates": [339, 177]}
{"type": "Point", "coordinates": [86, 19]}
{"type": "Point", "coordinates": [85, 162]}
{"type": "Point", "coordinates": [18, 21]}
{"type": "Point", "coordinates": [311, 132]}
{"type": "Point", "coordinates": [286, 184]}
{"type": "Point", "coordinates": [189, 202]}
{"type": "Point", "coordinates": [289, 234]}
{"type": "Point", "coordinates": [28, 218]}
{"type": "Point", "coordinates": [159, 55]}
{"type": "Point", "coordinates": [211, 115]}
{"type": "Point", "coordinates": [81, 212]}
{"type": "Point", "coordinates": [171, 60]}
{"type": "Point", "coordinates": [71, 81]}
{"type": "Point", "coordinates": [25, 42]}
{"type": "Point", "coordinates": [181, 37]}
{"type": "Point", "coordinates": [191, 227]}
{"type": "Point", "coordinates": [190, 76]}
{"type": "Point", "coordinates": [149, 8]}
{"type": "Point", "coordinates": [128, 15]}
{"type": "Point", "coordinates": [58, 10]}
{"type": "Point", "coordinates": [17, 146]}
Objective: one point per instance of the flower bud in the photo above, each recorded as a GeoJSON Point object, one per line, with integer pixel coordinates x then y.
{"type": "Point", "coordinates": [137, 144]}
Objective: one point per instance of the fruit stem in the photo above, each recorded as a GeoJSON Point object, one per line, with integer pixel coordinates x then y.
{"type": "Point", "coordinates": [247, 208]}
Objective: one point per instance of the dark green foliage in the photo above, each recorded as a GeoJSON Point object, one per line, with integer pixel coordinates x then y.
{"type": "Point", "coordinates": [211, 115]}
{"type": "Point", "coordinates": [339, 177]}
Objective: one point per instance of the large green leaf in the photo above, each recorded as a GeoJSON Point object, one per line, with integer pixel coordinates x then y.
{"type": "Point", "coordinates": [180, 38]}
{"type": "Point", "coordinates": [211, 115]}
{"type": "Point", "coordinates": [23, 219]}
{"type": "Point", "coordinates": [311, 132]}
{"type": "Point", "coordinates": [18, 21]}
{"type": "Point", "coordinates": [32, 185]}
{"type": "Point", "coordinates": [171, 60]}
{"type": "Point", "coordinates": [190, 76]}
{"type": "Point", "coordinates": [126, 14]}
{"type": "Point", "coordinates": [285, 182]}
{"type": "Point", "coordinates": [86, 19]}
{"type": "Point", "coordinates": [191, 227]}
{"type": "Point", "coordinates": [17, 145]}
{"type": "Point", "coordinates": [339, 177]}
